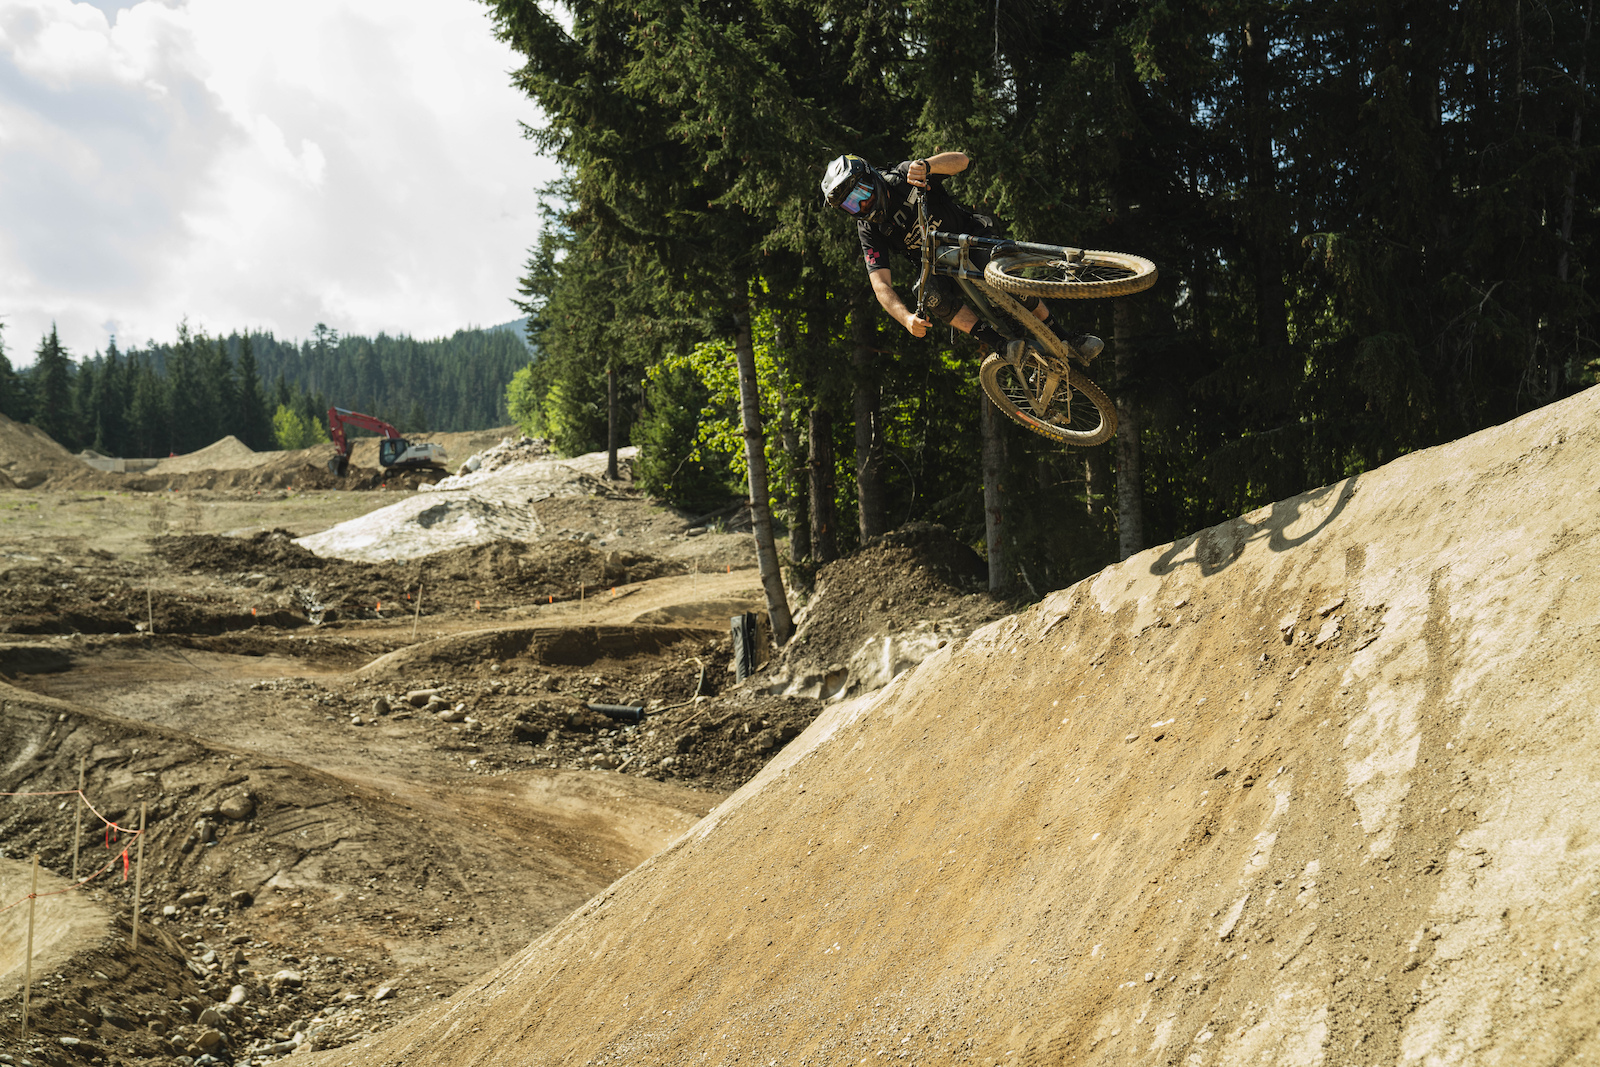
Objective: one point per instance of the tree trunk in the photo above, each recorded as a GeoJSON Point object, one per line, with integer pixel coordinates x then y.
{"type": "Point", "coordinates": [869, 439]}
{"type": "Point", "coordinates": [798, 513]}
{"type": "Point", "coordinates": [993, 462]}
{"type": "Point", "coordinates": [825, 542]}
{"type": "Point", "coordinates": [1097, 486]}
{"type": "Point", "coordinates": [1130, 478]}
{"type": "Point", "coordinates": [756, 458]}
{"type": "Point", "coordinates": [611, 422]}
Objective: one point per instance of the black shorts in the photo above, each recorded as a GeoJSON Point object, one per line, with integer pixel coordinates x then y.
{"type": "Point", "coordinates": [945, 297]}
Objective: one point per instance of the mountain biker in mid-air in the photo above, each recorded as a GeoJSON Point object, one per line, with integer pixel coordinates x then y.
{"type": "Point", "coordinates": [884, 205]}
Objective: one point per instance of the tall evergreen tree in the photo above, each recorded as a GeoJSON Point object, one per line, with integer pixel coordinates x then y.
{"type": "Point", "coordinates": [13, 395]}
{"type": "Point", "coordinates": [254, 422]}
{"type": "Point", "coordinates": [52, 375]}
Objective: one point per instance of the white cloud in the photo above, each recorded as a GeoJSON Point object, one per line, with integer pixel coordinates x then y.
{"type": "Point", "coordinates": [253, 164]}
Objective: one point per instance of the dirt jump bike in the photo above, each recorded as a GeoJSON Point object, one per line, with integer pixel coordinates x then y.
{"type": "Point", "coordinates": [1034, 380]}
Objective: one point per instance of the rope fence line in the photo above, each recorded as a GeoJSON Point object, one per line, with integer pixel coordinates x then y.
{"type": "Point", "coordinates": [110, 823]}
{"type": "Point", "coordinates": [79, 884]}
{"type": "Point", "coordinates": [111, 826]}
{"type": "Point", "coordinates": [130, 865]}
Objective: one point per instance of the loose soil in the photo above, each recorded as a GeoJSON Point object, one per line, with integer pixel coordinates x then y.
{"type": "Point", "coordinates": [361, 776]}
{"type": "Point", "coordinates": [1314, 786]}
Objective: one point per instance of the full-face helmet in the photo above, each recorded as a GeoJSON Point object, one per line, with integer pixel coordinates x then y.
{"type": "Point", "coordinates": [855, 187]}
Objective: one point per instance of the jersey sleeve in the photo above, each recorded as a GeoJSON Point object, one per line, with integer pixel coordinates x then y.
{"type": "Point", "coordinates": [875, 247]}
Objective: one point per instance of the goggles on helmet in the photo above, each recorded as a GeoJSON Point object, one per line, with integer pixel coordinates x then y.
{"type": "Point", "coordinates": [857, 199]}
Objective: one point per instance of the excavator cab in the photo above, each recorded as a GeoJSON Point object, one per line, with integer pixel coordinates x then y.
{"type": "Point", "coordinates": [390, 449]}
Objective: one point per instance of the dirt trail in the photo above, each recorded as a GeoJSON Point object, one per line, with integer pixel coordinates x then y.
{"type": "Point", "coordinates": [1317, 785]}
{"type": "Point", "coordinates": [329, 851]}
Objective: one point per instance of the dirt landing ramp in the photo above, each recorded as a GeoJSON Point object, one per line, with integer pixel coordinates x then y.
{"type": "Point", "coordinates": [1315, 786]}
{"type": "Point", "coordinates": [65, 921]}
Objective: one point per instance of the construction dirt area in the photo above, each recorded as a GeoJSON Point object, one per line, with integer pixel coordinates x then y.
{"type": "Point", "coordinates": [1314, 786]}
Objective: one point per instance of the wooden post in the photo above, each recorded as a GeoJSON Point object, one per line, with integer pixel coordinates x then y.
{"type": "Point", "coordinates": [418, 616]}
{"type": "Point", "coordinates": [27, 970]}
{"type": "Point", "coordinates": [149, 610]}
{"type": "Point", "coordinates": [77, 821]}
{"type": "Point", "coordinates": [138, 876]}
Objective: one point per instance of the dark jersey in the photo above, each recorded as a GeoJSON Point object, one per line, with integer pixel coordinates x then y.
{"type": "Point", "coordinates": [896, 232]}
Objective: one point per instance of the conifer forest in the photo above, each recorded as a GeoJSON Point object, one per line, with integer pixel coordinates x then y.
{"type": "Point", "coordinates": [177, 397]}
{"type": "Point", "coordinates": [1372, 220]}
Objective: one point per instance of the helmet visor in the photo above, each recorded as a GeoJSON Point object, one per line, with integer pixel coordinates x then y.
{"type": "Point", "coordinates": [857, 199]}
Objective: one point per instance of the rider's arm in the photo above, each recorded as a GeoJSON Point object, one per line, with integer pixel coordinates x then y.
{"type": "Point", "coordinates": [943, 163]}
{"type": "Point", "coordinates": [891, 302]}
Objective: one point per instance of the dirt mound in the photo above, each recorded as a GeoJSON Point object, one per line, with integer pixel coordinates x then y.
{"type": "Point", "coordinates": [1316, 785]}
{"type": "Point", "coordinates": [49, 596]}
{"type": "Point", "coordinates": [229, 453]}
{"type": "Point", "coordinates": [882, 610]}
{"type": "Point", "coordinates": [495, 575]}
{"type": "Point", "coordinates": [29, 457]}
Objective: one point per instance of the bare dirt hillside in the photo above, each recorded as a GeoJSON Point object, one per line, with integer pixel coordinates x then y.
{"type": "Point", "coordinates": [29, 457]}
{"type": "Point", "coordinates": [1317, 785]}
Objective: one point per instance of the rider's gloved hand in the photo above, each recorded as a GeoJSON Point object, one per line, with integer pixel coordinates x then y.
{"type": "Point", "coordinates": [918, 325]}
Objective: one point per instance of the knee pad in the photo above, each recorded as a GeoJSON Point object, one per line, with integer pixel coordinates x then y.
{"type": "Point", "coordinates": [943, 298]}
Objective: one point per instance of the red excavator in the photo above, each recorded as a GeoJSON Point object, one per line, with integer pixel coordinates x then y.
{"type": "Point", "coordinates": [394, 451]}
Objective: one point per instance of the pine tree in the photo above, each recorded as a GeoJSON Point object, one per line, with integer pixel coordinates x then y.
{"type": "Point", "coordinates": [52, 376]}
{"type": "Point", "coordinates": [12, 394]}
{"type": "Point", "coordinates": [255, 423]}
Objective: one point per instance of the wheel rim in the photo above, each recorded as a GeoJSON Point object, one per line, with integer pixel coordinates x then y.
{"type": "Point", "coordinates": [1076, 272]}
{"type": "Point", "coordinates": [1068, 408]}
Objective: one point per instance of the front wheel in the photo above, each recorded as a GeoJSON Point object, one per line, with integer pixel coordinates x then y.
{"type": "Point", "coordinates": [1074, 275]}
{"type": "Point", "coordinates": [1063, 407]}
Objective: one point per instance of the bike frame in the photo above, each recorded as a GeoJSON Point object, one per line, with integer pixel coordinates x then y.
{"type": "Point", "coordinates": [950, 254]}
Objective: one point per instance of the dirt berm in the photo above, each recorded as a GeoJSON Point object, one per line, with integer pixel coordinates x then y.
{"type": "Point", "coordinates": [1314, 786]}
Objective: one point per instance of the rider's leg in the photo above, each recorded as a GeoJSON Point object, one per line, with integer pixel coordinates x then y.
{"type": "Point", "coordinates": [966, 320]}
{"type": "Point", "coordinates": [1086, 343]}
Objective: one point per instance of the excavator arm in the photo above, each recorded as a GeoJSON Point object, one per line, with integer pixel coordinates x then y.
{"type": "Point", "coordinates": [337, 417]}
{"type": "Point", "coordinates": [400, 453]}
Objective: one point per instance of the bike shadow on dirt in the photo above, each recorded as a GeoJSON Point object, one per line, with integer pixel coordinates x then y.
{"type": "Point", "coordinates": [1216, 547]}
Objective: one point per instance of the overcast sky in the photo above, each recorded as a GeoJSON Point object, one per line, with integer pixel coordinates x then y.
{"type": "Point", "coordinates": [254, 164]}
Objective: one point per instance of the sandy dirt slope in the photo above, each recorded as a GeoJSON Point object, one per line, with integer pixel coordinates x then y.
{"type": "Point", "coordinates": [64, 922]}
{"type": "Point", "coordinates": [1317, 785]}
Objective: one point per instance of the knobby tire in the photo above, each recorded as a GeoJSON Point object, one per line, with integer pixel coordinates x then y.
{"type": "Point", "coordinates": [1088, 276]}
{"type": "Point", "coordinates": [1091, 418]}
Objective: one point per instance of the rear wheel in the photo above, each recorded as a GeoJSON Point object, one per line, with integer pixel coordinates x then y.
{"type": "Point", "coordinates": [1065, 407]}
{"type": "Point", "coordinates": [1074, 275]}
